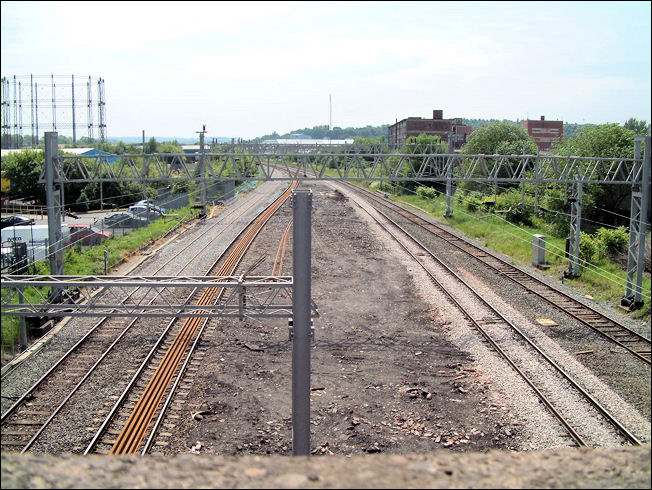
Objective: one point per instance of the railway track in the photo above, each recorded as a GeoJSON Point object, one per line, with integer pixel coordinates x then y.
{"type": "Point", "coordinates": [25, 421]}
{"type": "Point", "coordinates": [509, 341]}
{"type": "Point", "coordinates": [130, 421]}
{"type": "Point", "coordinates": [623, 337]}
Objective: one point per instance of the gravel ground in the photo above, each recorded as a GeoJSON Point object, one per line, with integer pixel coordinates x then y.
{"type": "Point", "coordinates": [627, 377]}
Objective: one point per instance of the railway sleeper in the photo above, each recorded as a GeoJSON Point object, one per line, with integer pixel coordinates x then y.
{"type": "Point", "coordinates": [15, 433]}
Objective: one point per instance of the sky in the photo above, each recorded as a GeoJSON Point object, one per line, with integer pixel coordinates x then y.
{"type": "Point", "coordinates": [248, 69]}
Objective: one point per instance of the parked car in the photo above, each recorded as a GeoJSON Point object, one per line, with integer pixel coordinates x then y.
{"type": "Point", "coordinates": [150, 203]}
{"type": "Point", "coordinates": [146, 212]}
{"type": "Point", "coordinates": [124, 220]}
{"type": "Point", "coordinates": [16, 221]}
{"type": "Point", "coordinates": [87, 234]}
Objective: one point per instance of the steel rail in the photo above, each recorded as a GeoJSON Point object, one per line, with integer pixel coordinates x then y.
{"type": "Point", "coordinates": [152, 352]}
{"type": "Point", "coordinates": [605, 413]}
{"type": "Point", "coordinates": [280, 252]}
{"type": "Point", "coordinates": [277, 261]}
{"type": "Point", "coordinates": [585, 314]}
{"type": "Point", "coordinates": [136, 426]}
{"type": "Point", "coordinates": [28, 395]}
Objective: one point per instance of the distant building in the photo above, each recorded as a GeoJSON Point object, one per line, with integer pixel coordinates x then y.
{"type": "Point", "coordinates": [545, 133]}
{"type": "Point", "coordinates": [90, 152]}
{"type": "Point", "coordinates": [437, 126]}
{"type": "Point", "coordinates": [307, 142]}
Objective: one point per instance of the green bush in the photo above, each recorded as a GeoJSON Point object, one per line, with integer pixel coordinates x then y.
{"type": "Point", "coordinates": [614, 240]}
{"type": "Point", "coordinates": [426, 192]}
{"type": "Point", "coordinates": [590, 248]}
{"type": "Point", "coordinates": [471, 200]}
{"type": "Point", "coordinates": [509, 205]}
{"type": "Point", "coordinates": [596, 248]}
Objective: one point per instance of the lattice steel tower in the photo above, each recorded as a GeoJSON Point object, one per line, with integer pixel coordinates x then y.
{"type": "Point", "coordinates": [73, 106]}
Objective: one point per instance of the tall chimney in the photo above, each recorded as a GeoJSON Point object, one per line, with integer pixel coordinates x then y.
{"type": "Point", "coordinates": [438, 114]}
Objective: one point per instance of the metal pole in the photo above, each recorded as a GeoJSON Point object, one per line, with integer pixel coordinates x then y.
{"type": "Point", "coordinates": [301, 254]}
{"type": "Point", "coordinates": [144, 173]}
{"type": "Point", "coordinates": [202, 172]}
{"type": "Point", "coordinates": [536, 184]}
{"type": "Point", "coordinates": [74, 128]}
{"type": "Point", "coordinates": [63, 202]}
{"type": "Point", "coordinates": [55, 252]}
{"type": "Point", "coordinates": [645, 205]}
{"type": "Point", "coordinates": [449, 169]}
{"type": "Point", "coordinates": [23, 328]}
{"type": "Point", "coordinates": [634, 222]}
{"type": "Point", "coordinates": [523, 183]}
{"type": "Point", "coordinates": [575, 231]}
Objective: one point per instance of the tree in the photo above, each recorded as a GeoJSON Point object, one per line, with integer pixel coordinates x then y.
{"type": "Point", "coordinates": [169, 147]}
{"type": "Point", "coordinates": [602, 140]}
{"type": "Point", "coordinates": [640, 128]}
{"type": "Point", "coordinates": [151, 146]}
{"type": "Point", "coordinates": [503, 138]}
{"type": "Point", "coordinates": [23, 169]}
{"type": "Point", "coordinates": [606, 141]}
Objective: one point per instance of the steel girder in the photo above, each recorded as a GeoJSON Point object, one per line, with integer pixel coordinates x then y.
{"type": "Point", "coordinates": [640, 203]}
{"type": "Point", "coordinates": [574, 237]}
{"type": "Point", "coordinates": [250, 296]}
{"type": "Point", "coordinates": [355, 165]}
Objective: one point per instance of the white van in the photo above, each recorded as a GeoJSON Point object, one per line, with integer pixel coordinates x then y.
{"type": "Point", "coordinates": [35, 236]}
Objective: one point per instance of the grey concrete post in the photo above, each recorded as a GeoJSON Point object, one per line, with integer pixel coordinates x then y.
{"type": "Point", "coordinates": [538, 250]}
{"type": "Point", "coordinates": [301, 255]}
{"type": "Point", "coordinates": [55, 250]}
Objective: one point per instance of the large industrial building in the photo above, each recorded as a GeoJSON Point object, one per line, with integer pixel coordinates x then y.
{"type": "Point", "coordinates": [437, 126]}
{"type": "Point", "coordinates": [545, 133]}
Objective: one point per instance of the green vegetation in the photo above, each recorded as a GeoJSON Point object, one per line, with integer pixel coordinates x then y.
{"type": "Point", "coordinates": [503, 138]}
{"type": "Point", "coordinates": [601, 276]}
{"type": "Point", "coordinates": [639, 128]}
{"type": "Point", "coordinates": [504, 217]}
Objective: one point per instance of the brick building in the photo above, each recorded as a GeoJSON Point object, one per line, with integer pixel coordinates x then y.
{"type": "Point", "coordinates": [438, 126]}
{"type": "Point", "coordinates": [545, 133]}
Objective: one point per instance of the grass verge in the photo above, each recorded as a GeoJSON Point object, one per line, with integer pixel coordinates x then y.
{"type": "Point", "coordinates": [604, 281]}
